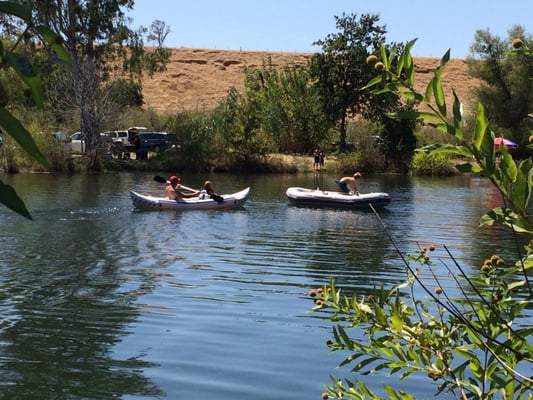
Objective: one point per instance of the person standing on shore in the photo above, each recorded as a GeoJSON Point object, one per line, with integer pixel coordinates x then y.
{"type": "Point", "coordinates": [316, 159]}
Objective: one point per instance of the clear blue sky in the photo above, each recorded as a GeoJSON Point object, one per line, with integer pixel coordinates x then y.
{"type": "Point", "coordinates": [293, 25]}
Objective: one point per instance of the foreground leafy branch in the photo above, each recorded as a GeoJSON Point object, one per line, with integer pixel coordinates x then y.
{"type": "Point", "coordinates": [10, 58]}
{"type": "Point", "coordinates": [473, 340]}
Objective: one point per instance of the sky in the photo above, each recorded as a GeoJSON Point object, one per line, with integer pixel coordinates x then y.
{"type": "Point", "coordinates": [293, 25]}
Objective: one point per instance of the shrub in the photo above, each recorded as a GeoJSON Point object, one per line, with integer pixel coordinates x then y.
{"type": "Point", "coordinates": [432, 164]}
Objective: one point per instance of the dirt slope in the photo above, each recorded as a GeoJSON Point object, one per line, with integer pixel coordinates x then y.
{"type": "Point", "coordinates": [197, 78]}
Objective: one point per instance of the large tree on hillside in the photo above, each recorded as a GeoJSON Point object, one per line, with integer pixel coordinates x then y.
{"type": "Point", "coordinates": [341, 71]}
{"type": "Point", "coordinates": [101, 46]}
{"type": "Point", "coordinates": [507, 89]}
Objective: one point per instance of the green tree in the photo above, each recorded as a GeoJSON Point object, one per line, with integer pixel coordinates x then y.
{"type": "Point", "coordinates": [237, 121]}
{"type": "Point", "coordinates": [477, 345]}
{"type": "Point", "coordinates": [398, 142]}
{"type": "Point", "coordinates": [100, 43]}
{"type": "Point", "coordinates": [507, 84]}
{"type": "Point", "coordinates": [291, 112]}
{"type": "Point", "coordinates": [341, 71]}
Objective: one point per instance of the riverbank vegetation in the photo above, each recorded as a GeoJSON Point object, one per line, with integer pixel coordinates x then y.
{"type": "Point", "coordinates": [475, 346]}
{"type": "Point", "coordinates": [472, 338]}
{"type": "Point", "coordinates": [290, 110]}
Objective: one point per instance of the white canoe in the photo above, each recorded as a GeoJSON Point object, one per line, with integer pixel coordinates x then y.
{"type": "Point", "coordinates": [323, 198]}
{"type": "Point", "coordinates": [231, 201]}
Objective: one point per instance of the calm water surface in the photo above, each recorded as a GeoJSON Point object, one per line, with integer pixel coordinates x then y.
{"type": "Point", "coordinates": [99, 301]}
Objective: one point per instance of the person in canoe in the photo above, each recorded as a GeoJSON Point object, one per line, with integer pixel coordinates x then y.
{"type": "Point", "coordinates": [348, 184]}
{"type": "Point", "coordinates": [173, 191]}
{"type": "Point", "coordinates": [210, 191]}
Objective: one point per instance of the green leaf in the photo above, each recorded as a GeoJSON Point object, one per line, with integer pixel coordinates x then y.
{"type": "Point", "coordinates": [457, 116]}
{"type": "Point", "coordinates": [16, 9]}
{"type": "Point", "coordinates": [451, 149]}
{"type": "Point", "coordinates": [480, 127]}
{"type": "Point", "coordinates": [22, 65]}
{"type": "Point", "coordinates": [424, 116]}
{"type": "Point", "coordinates": [507, 167]}
{"type": "Point", "coordinates": [468, 168]}
{"type": "Point", "coordinates": [522, 188]}
{"type": "Point", "coordinates": [397, 322]}
{"type": "Point", "coordinates": [10, 199]}
{"type": "Point", "coordinates": [14, 128]}
{"type": "Point", "coordinates": [55, 42]}
{"type": "Point", "coordinates": [438, 94]}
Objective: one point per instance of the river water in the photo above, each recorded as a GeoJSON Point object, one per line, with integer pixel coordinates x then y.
{"type": "Point", "coordinates": [100, 301]}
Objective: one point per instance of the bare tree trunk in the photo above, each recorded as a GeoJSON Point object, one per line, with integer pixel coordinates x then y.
{"type": "Point", "coordinates": [85, 80]}
{"type": "Point", "coordinates": [342, 138]}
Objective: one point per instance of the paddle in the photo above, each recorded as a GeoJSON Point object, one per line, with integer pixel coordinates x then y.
{"type": "Point", "coordinates": [216, 197]}
{"type": "Point", "coordinates": [161, 179]}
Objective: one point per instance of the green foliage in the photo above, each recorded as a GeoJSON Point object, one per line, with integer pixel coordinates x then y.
{"type": "Point", "coordinates": [341, 71]}
{"type": "Point", "coordinates": [101, 46]}
{"type": "Point", "coordinates": [471, 338]}
{"type": "Point", "coordinates": [124, 93]}
{"type": "Point", "coordinates": [507, 84]}
{"type": "Point", "coordinates": [368, 160]}
{"type": "Point", "coordinates": [290, 108]}
{"type": "Point", "coordinates": [397, 143]}
{"type": "Point", "coordinates": [432, 164]}
{"type": "Point", "coordinates": [237, 121]}
{"type": "Point", "coordinates": [196, 139]}
{"type": "Point", "coordinates": [10, 59]}
{"type": "Point", "coordinates": [472, 347]}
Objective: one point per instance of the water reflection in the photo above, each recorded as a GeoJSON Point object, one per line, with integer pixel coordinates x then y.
{"type": "Point", "coordinates": [98, 300]}
{"type": "Point", "coordinates": [63, 301]}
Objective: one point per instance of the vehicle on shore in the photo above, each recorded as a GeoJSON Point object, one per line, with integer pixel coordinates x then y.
{"type": "Point", "coordinates": [157, 141]}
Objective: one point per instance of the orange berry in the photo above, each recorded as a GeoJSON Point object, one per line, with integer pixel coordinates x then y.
{"type": "Point", "coordinates": [319, 290]}
{"type": "Point", "coordinates": [319, 302]}
{"type": "Point", "coordinates": [379, 66]}
{"type": "Point", "coordinates": [431, 247]}
{"type": "Point", "coordinates": [325, 395]}
{"type": "Point", "coordinates": [500, 262]}
{"type": "Point", "coordinates": [485, 267]}
{"type": "Point", "coordinates": [531, 139]}
{"type": "Point", "coordinates": [438, 290]}
{"type": "Point", "coordinates": [312, 293]}
{"type": "Point", "coordinates": [517, 43]}
{"type": "Point", "coordinates": [329, 342]}
{"type": "Point", "coordinates": [371, 59]}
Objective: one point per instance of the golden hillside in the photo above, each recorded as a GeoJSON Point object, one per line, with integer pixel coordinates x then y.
{"type": "Point", "coordinates": [197, 78]}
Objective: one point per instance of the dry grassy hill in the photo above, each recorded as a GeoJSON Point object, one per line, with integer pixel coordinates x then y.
{"type": "Point", "coordinates": [197, 78]}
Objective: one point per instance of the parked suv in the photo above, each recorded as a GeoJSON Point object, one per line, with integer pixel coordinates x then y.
{"type": "Point", "coordinates": [156, 141]}
{"type": "Point", "coordinates": [126, 136]}
{"type": "Point", "coordinates": [116, 136]}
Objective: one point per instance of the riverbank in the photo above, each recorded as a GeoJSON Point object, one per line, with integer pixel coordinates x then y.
{"type": "Point", "coordinates": [274, 163]}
